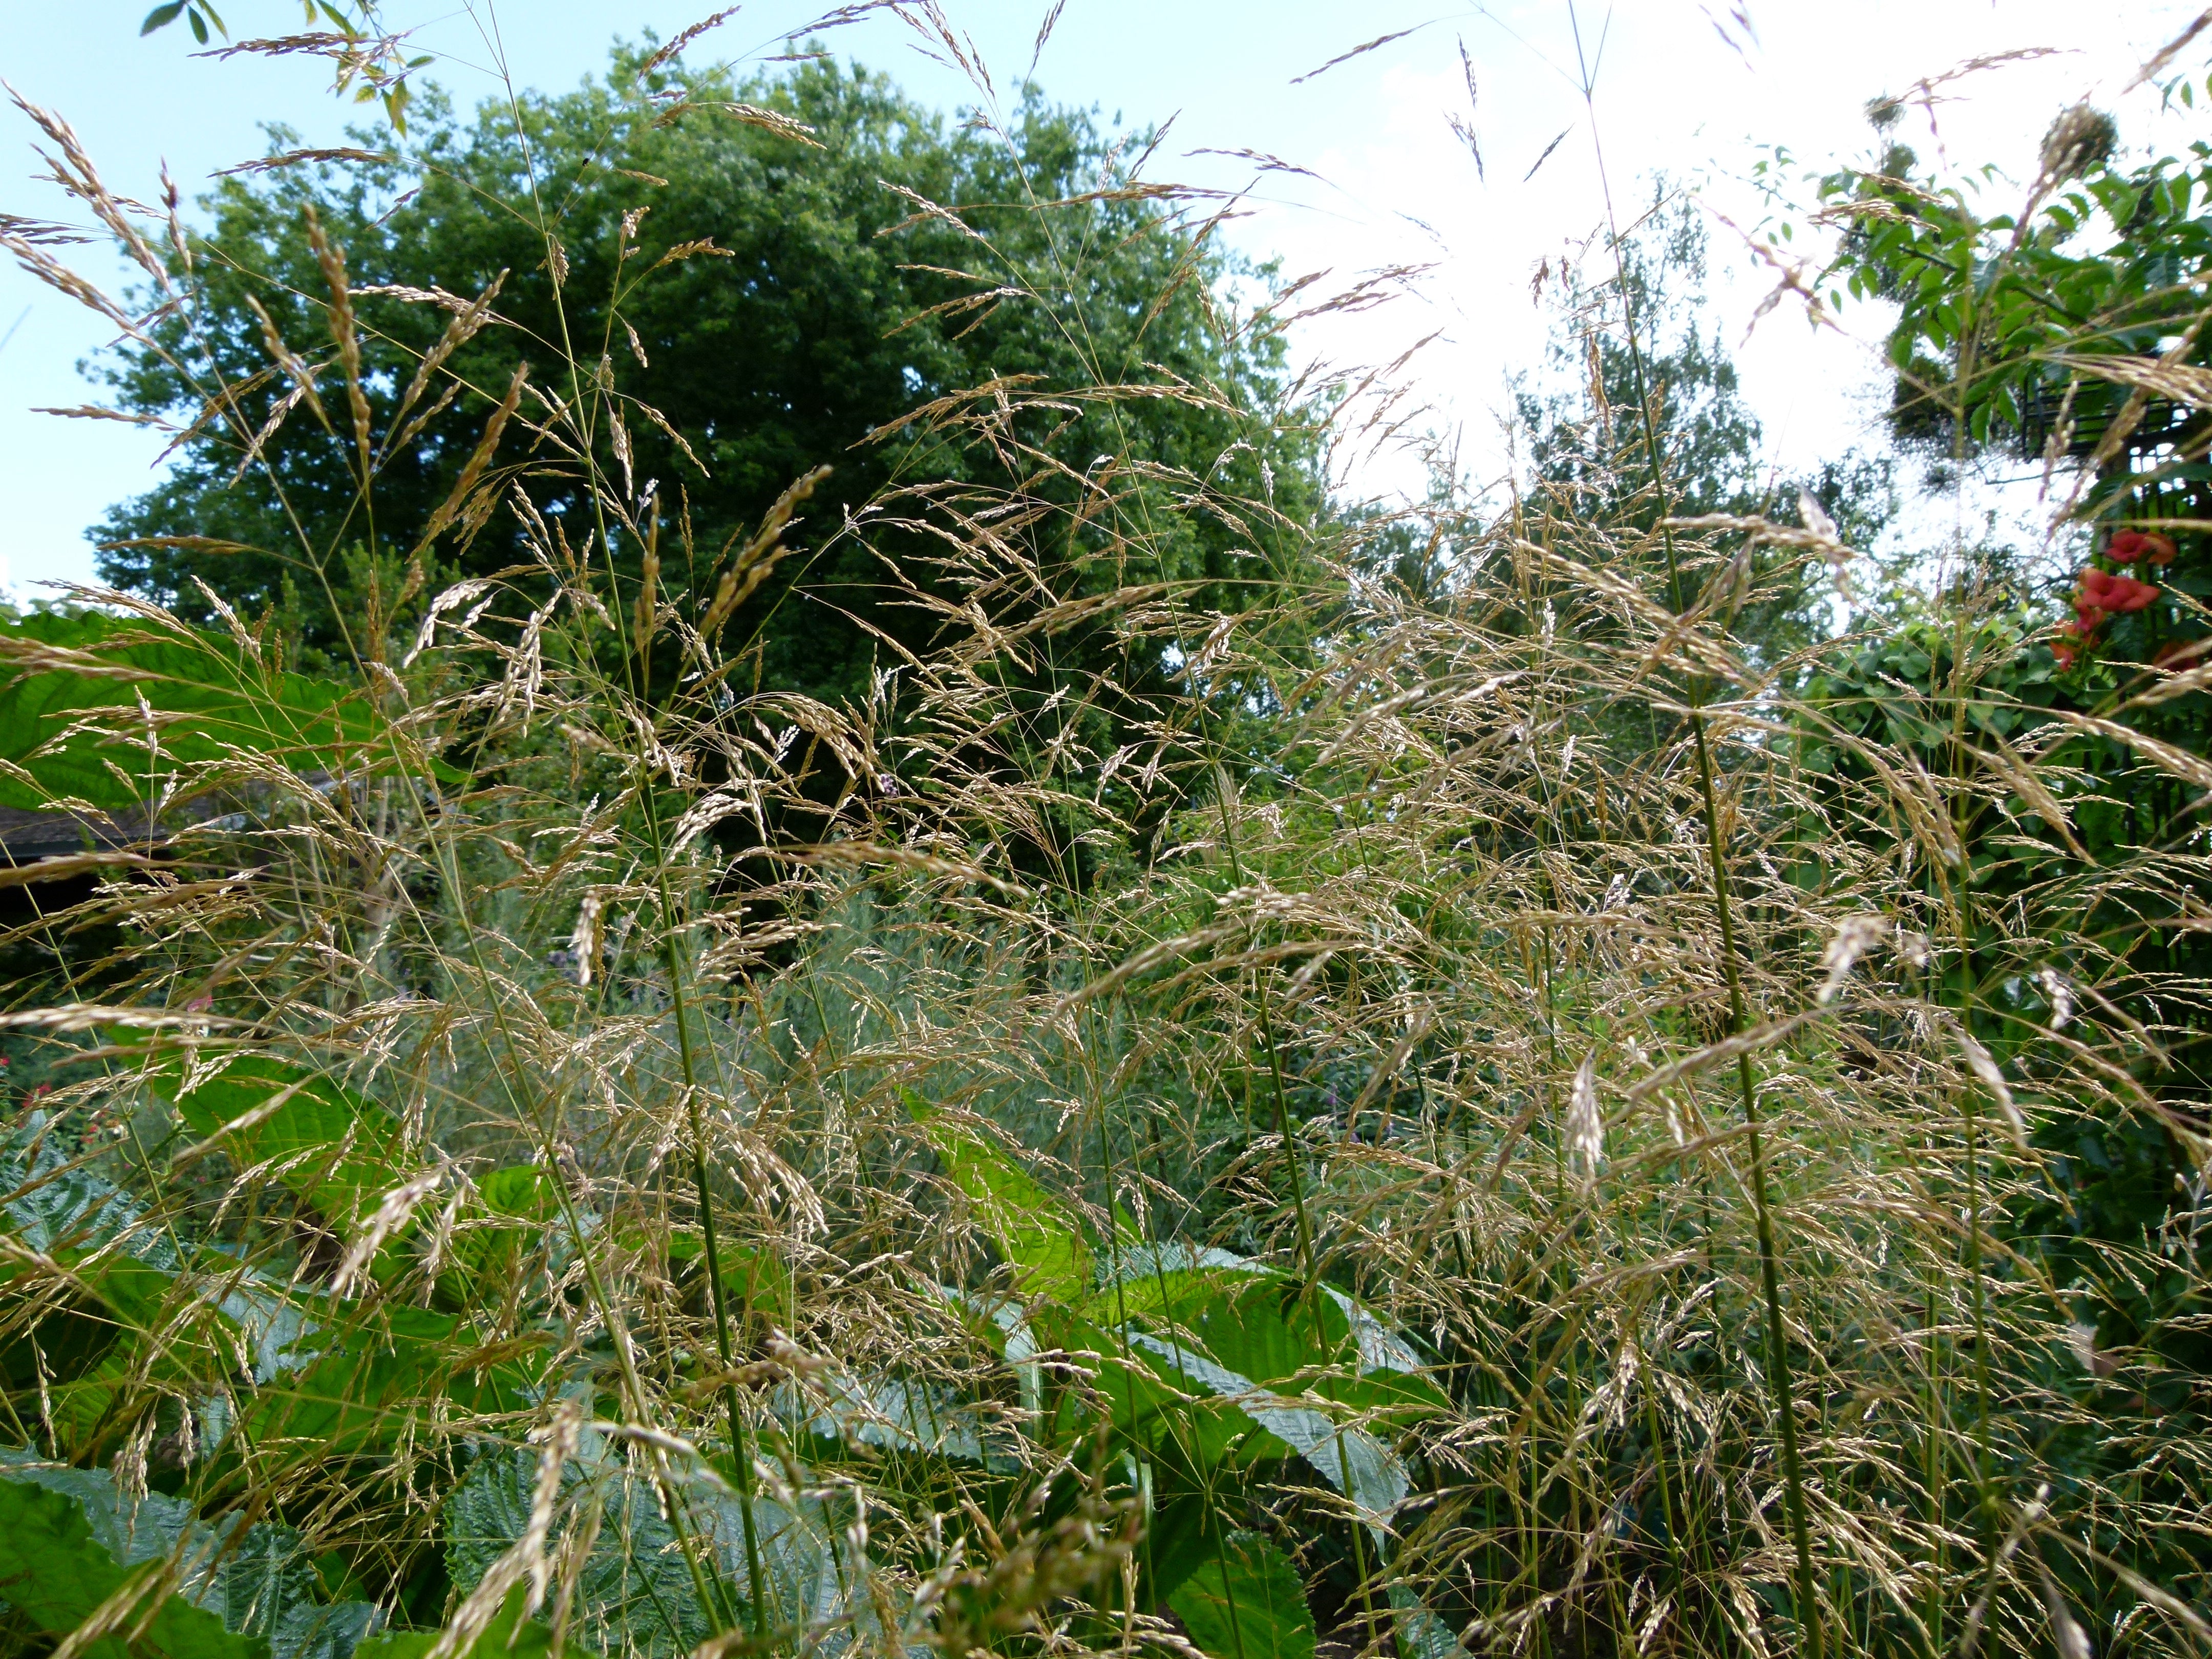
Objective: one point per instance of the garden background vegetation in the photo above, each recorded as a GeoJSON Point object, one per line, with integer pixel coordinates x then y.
{"type": "Point", "coordinates": [785, 940]}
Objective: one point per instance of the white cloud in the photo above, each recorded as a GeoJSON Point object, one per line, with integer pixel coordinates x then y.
{"type": "Point", "coordinates": [1673, 97]}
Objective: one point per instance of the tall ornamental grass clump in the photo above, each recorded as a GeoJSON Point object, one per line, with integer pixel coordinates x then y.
{"type": "Point", "coordinates": [1454, 1109]}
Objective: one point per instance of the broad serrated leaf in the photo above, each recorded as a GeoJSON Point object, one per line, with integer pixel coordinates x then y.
{"type": "Point", "coordinates": [83, 696]}
{"type": "Point", "coordinates": [1051, 1257]}
{"type": "Point", "coordinates": [636, 1594]}
{"type": "Point", "coordinates": [67, 1543]}
{"type": "Point", "coordinates": [1245, 1602]}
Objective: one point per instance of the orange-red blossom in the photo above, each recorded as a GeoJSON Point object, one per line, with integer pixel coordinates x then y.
{"type": "Point", "coordinates": [2103, 594]}
{"type": "Point", "coordinates": [2126, 546]}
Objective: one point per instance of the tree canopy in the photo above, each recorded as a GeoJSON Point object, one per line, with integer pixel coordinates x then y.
{"type": "Point", "coordinates": [778, 273]}
{"type": "Point", "coordinates": [1586, 436]}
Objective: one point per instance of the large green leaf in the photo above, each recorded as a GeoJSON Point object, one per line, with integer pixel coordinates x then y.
{"type": "Point", "coordinates": [72, 721]}
{"type": "Point", "coordinates": [136, 1330]}
{"type": "Point", "coordinates": [509, 1633]}
{"type": "Point", "coordinates": [1246, 1603]}
{"type": "Point", "coordinates": [338, 1149]}
{"type": "Point", "coordinates": [54, 1569]}
{"type": "Point", "coordinates": [63, 1208]}
{"type": "Point", "coordinates": [68, 1542]}
{"type": "Point", "coordinates": [333, 1377]}
{"type": "Point", "coordinates": [59, 1200]}
{"type": "Point", "coordinates": [1180, 1531]}
{"type": "Point", "coordinates": [393, 1368]}
{"type": "Point", "coordinates": [1349, 1458]}
{"type": "Point", "coordinates": [1262, 1325]}
{"type": "Point", "coordinates": [1304, 1344]}
{"type": "Point", "coordinates": [490, 1255]}
{"type": "Point", "coordinates": [1149, 1405]}
{"type": "Point", "coordinates": [1051, 1256]}
{"type": "Point", "coordinates": [341, 1152]}
{"type": "Point", "coordinates": [162, 1335]}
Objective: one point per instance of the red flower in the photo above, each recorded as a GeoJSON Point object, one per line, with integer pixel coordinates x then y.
{"type": "Point", "coordinates": [2090, 598]}
{"type": "Point", "coordinates": [2102, 592]}
{"type": "Point", "coordinates": [2160, 550]}
{"type": "Point", "coordinates": [2126, 546]}
{"type": "Point", "coordinates": [2127, 595]}
{"type": "Point", "coordinates": [2176, 652]}
{"type": "Point", "coordinates": [2064, 653]}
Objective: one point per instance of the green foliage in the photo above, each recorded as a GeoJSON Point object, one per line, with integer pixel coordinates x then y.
{"type": "Point", "coordinates": [635, 1590]}
{"type": "Point", "coordinates": [766, 288]}
{"type": "Point", "coordinates": [2005, 317]}
{"type": "Point", "coordinates": [108, 710]}
{"type": "Point", "coordinates": [367, 62]}
{"type": "Point", "coordinates": [72, 1546]}
{"type": "Point", "coordinates": [1580, 431]}
{"type": "Point", "coordinates": [197, 14]}
{"type": "Point", "coordinates": [2049, 327]}
{"type": "Point", "coordinates": [53, 1567]}
{"type": "Point", "coordinates": [332, 1378]}
{"type": "Point", "coordinates": [1246, 1603]}
{"type": "Point", "coordinates": [510, 1631]}
{"type": "Point", "coordinates": [337, 1150]}
{"type": "Point", "coordinates": [1051, 1257]}
{"type": "Point", "coordinates": [1214, 1368]}
{"type": "Point", "coordinates": [1155, 1035]}
{"type": "Point", "coordinates": [382, 1374]}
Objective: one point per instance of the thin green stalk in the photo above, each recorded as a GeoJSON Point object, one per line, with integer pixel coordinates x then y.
{"type": "Point", "coordinates": [1932, 1475]}
{"type": "Point", "coordinates": [1308, 1272]}
{"type": "Point", "coordinates": [1959, 893]}
{"type": "Point", "coordinates": [1778, 1350]}
{"type": "Point", "coordinates": [638, 675]}
{"type": "Point", "coordinates": [672, 958]}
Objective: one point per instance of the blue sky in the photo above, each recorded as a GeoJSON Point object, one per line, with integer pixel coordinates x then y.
{"type": "Point", "coordinates": [1683, 87]}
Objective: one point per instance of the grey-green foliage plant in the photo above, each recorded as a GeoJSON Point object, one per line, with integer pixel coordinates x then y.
{"type": "Point", "coordinates": [73, 1546]}
{"type": "Point", "coordinates": [632, 1592]}
{"type": "Point", "coordinates": [254, 1363]}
